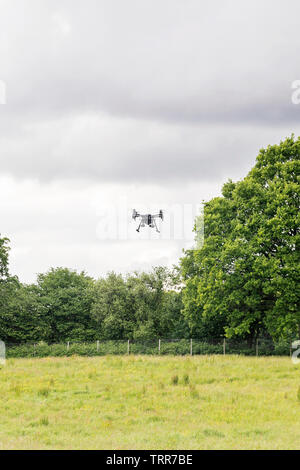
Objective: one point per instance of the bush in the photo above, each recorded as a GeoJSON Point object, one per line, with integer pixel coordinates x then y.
{"type": "Point", "coordinates": [167, 347]}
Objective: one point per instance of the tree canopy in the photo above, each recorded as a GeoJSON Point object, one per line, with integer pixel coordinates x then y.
{"type": "Point", "coordinates": [245, 279]}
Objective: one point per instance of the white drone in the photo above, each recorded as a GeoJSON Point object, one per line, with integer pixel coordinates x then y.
{"type": "Point", "coordinates": [147, 219]}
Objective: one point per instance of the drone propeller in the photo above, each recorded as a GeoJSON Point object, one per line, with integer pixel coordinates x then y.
{"type": "Point", "coordinates": [161, 214]}
{"type": "Point", "coordinates": [134, 214]}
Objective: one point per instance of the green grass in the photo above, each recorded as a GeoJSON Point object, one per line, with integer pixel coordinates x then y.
{"type": "Point", "coordinates": [150, 402]}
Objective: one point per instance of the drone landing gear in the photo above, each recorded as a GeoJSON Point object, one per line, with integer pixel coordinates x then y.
{"type": "Point", "coordinates": [154, 225]}
{"type": "Point", "coordinates": [141, 225]}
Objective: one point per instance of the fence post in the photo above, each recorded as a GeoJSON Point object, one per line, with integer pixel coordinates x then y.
{"type": "Point", "coordinates": [97, 346]}
{"type": "Point", "coordinates": [191, 349]}
{"type": "Point", "coordinates": [68, 345]}
{"type": "Point", "coordinates": [159, 346]}
{"type": "Point", "coordinates": [128, 347]}
{"type": "Point", "coordinates": [34, 348]}
{"type": "Point", "coordinates": [224, 346]}
{"type": "Point", "coordinates": [257, 346]}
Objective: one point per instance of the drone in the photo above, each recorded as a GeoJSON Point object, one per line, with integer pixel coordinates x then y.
{"type": "Point", "coordinates": [147, 219]}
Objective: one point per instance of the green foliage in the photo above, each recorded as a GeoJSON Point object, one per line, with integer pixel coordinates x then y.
{"type": "Point", "coordinates": [168, 348]}
{"type": "Point", "coordinates": [20, 310]}
{"type": "Point", "coordinates": [112, 309]}
{"type": "Point", "coordinates": [4, 250]}
{"type": "Point", "coordinates": [142, 306]}
{"type": "Point", "coordinates": [22, 315]}
{"type": "Point", "coordinates": [66, 298]}
{"type": "Point", "coordinates": [245, 278]}
{"type": "Point", "coordinates": [68, 306]}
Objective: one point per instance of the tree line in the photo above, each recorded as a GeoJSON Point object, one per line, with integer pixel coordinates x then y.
{"type": "Point", "coordinates": [241, 283]}
{"type": "Point", "coordinates": [64, 305]}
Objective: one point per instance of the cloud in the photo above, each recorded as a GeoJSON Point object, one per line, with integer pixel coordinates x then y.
{"type": "Point", "coordinates": [172, 61]}
{"type": "Point", "coordinates": [159, 101]}
{"type": "Point", "coordinates": [57, 225]}
{"type": "Point", "coordinates": [113, 90]}
{"type": "Point", "coordinates": [110, 149]}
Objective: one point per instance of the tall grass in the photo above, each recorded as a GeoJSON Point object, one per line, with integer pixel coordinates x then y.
{"type": "Point", "coordinates": [150, 402]}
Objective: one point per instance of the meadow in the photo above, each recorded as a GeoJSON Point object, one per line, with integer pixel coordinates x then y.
{"type": "Point", "coordinates": [150, 402]}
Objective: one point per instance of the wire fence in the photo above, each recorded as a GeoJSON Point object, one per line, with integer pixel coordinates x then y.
{"type": "Point", "coordinates": [193, 346]}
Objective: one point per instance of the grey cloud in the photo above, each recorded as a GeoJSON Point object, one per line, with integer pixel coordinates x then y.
{"type": "Point", "coordinates": [56, 225]}
{"type": "Point", "coordinates": [140, 90]}
{"type": "Point", "coordinates": [104, 148]}
{"type": "Point", "coordinates": [181, 62]}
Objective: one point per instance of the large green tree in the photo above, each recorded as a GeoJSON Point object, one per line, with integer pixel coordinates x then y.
{"type": "Point", "coordinates": [157, 304]}
{"type": "Point", "coordinates": [4, 251]}
{"type": "Point", "coordinates": [66, 297]}
{"type": "Point", "coordinates": [4, 284]}
{"type": "Point", "coordinates": [22, 316]}
{"type": "Point", "coordinates": [140, 306]}
{"type": "Point", "coordinates": [245, 279]}
{"type": "Point", "coordinates": [112, 309]}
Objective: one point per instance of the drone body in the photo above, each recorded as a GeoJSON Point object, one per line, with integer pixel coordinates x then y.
{"type": "Point", "coordinates": [147, 219]}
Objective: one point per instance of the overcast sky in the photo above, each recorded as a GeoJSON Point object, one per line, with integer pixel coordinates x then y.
{"type": "Point", "coordinates": [114, 104]}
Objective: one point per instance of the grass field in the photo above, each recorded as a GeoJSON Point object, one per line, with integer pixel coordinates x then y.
{"type": "Point", "coordinates": [147, 402]}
